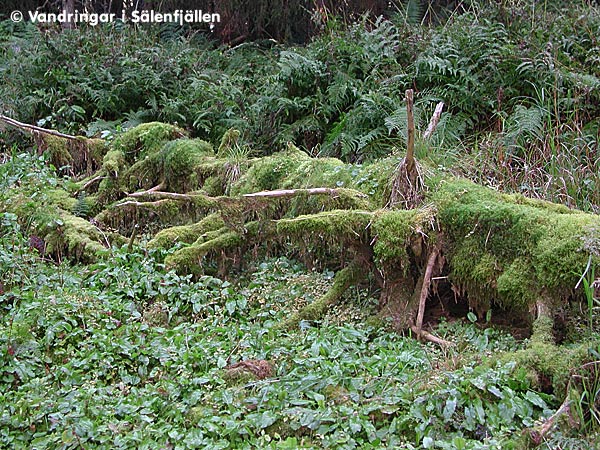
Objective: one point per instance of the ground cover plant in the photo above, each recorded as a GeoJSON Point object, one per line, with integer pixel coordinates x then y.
{"type": "Point", "coordinates": [237, 255]}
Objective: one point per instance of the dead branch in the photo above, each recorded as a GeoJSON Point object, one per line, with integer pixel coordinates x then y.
{"type": "Point", "coordinates": [425, 290]}
{"type": "Point", "coordinates": [163, 194]}
{"type": "Point", "coordinates": [537, 434]}
{"type": "Point", "coordinates": [141, 204]}
{"type": "Point", "coordinates": [410, 144]}
{"type": "Point", "coordinates": [435, 119]}
{"type": "Point", "coordinates": [294, 192]}
{"type": "Point", "coordinates": [33, 128]}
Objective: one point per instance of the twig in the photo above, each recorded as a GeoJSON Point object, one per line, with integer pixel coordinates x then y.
{"type": "Point", "coordinates": [92, 181]}
{"type": "Point", "coordinates": [26, 126]}
{"type": "Point", "coordinates": [161, 195]}
{"type": "Point", "coordinates": [435, 119]}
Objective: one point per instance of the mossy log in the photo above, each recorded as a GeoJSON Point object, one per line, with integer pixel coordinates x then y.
{"type": "Point", "coordinates": [496, 250]}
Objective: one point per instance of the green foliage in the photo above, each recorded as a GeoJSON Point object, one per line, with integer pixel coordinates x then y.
{"type": "Point", "coordinates": [123, 354]}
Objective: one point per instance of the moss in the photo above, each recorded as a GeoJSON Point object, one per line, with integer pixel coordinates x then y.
{"type": "Point", "coordinates": [516, 285]}
{"type": "Point", "coordinates": [146, 139]}
{"type": "Point", "coordinates": [337, 223]}
{"type": "Point", "coordinates": [114, 162]}
{"type": "Point", "coordinates": [317, 309]}
{"type": "Point", "coordinates": [180, 158]}
{"type": "Point", "coordinates": [73, 237]}
{"type": "Point", "coordinates": [397, 231]}
{"type": "Point", "coordinates": [189, 259]}
{"type": "Point", "coordinates": [186, 233]}
{"type": "Point", "coordinates": [57, 151]}
{"type": "Point", "coordinates": [61, 199]}
{"type": "Point", "coordinates": [268, 172]}
{"type": "Point", "coordinates": [508, 247]}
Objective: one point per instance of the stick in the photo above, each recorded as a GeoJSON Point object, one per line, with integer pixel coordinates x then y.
{"type": "Point", "coordinates": [410, 144]}
{"type": "Point", "coordinates": [435, 119]}
{"type": "Point", "coordinates": [425, 290]}
{"type": "Point", "coordinates": [161, 195]}
{"type": "Point", "coordinates": [293, 192]}
{"type": "Point", "coordinates": [25, 126]}
{"type": "Point", "coordinates": [537, 434]}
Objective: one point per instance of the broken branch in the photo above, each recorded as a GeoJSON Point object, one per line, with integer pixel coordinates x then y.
{"type": "Point", "coordinates": [33, 128]}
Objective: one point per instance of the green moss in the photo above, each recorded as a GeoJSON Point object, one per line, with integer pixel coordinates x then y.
{"type": "Point", "coordinates": [189, 259]}
{"type": "Point", "coordinates": [73, 237]}
{"type": "Point", "coordinates": [268, 172]}
{"type": "Point", "coordinates": [114, 162]}
{"type": "Point", "coordinates": [57, 151]}
{"type": "Point", "coordinates": [146, 139]}
{"type": "Point", "coordinates": [186, 233]}
{"type": "Point", "coordinates": [338, 223]}
{"type": "Point", "coordinates": [398, 230]}
{"type": "Point", "coordinates": [61, 199]}
{"type": "Point", "coordinates": [507, 247]}
{"type": "Point", "coordinates": [180, 159]}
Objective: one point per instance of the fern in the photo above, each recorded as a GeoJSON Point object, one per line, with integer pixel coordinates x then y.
{"type": "Point", "coordinates": [82, 208]}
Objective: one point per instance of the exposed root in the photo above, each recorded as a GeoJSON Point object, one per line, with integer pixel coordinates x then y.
{"type": "Point", "coordinates": [317, 309]}
{"type": "Point", "coordinates": [431, 338]}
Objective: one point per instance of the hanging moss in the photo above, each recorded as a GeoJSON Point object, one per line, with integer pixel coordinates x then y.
{"type": "Point", "coordinates": [167, 238]}
{"type": "Point", "coordinates": [189, 259]}
{"type": "Point", "coordinates": [57, 151]}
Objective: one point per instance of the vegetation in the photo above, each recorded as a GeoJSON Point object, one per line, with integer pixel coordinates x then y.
{"type": "Point", "coordinates": [231, 246]}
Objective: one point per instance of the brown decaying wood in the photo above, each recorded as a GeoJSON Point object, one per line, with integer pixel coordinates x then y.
{"type": "Point", "coordinates": [431, 338]}
{"type": "Point", "coordinates": [538, 434]}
